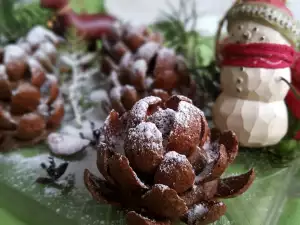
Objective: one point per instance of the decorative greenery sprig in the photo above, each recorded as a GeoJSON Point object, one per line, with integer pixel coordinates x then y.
{"type": "Point", "coordinates": [16, 19]}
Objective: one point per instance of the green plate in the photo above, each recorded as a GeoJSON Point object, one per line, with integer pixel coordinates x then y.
{"type": "Point", "coordinates": [273, 199]}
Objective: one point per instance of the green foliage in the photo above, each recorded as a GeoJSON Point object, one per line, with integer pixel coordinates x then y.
{"type": "Point", "coordinates": [88, 6]}
{"type": "Point", "coordinates": [179, 30]}
{"type": "Point", "coordinates": [74, 43]}
{"type": "Point", "coordinates": [17, 19]}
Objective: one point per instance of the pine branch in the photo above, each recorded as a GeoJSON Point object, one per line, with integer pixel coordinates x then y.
{"type": "Point", "coordinates": [16, 19]}
{"type": "Point", "coordinates": [75, 56]}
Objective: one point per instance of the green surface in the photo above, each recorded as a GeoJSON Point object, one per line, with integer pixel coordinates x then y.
{"type": "Point", "coordinates": [272, 200]}
{"type": "Point", "coordinates": [9, 219]}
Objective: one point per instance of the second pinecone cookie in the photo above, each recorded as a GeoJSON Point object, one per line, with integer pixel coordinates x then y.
{"type": "Point", "coordinates": [138, 65]}
{"type": "Point", "coordinates": [30, 102]}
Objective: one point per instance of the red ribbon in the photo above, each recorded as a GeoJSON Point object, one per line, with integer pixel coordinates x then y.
{"type": "Point", "coordinates": [258, 55]}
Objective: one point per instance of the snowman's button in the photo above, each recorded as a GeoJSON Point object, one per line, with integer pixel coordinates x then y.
{"type": "Point", "coordinates": [263, 38]}
{"type": "Point", "coordinates": [239, 89]}
{"type": "Point", "coordinates": [242, 68]}
{"type": "Point", "coordinates": [239, 80]}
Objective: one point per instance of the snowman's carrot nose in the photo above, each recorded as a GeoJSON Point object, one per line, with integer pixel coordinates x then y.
{"type": "Point", "coordinates": [293, 88]}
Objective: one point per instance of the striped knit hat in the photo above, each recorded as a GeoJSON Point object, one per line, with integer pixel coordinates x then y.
{"type": "Point", "coordinates": [273, 13]}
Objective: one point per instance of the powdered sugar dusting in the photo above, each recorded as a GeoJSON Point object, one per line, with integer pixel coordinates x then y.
{"type": "Point", "coordinates": [3, 75]}
{"type": "Point", "coordinates": [196, 213]}
{"type": "Point", "coordinates": [163, 119]}
{"type": "Point", "coordinates": [13, 53]}
{"type": "Point", "coordinates": [145, 136]}
{"type": "Point", "coordinates": [166, 54]}
{"type": "Point", "coordinates": [138, 112]}
{"type": "Point", "coordinates": [48, 47]}
{"type": "Point", "coordinates": [139, 68]}
{"type": "Point", "coordinates": [128, 88]}
{"type": "Point", "coordinates": [147, 51]}
{"type": "Point", "coordinates": [63, 144]}
{"type": "Point", "coordinates": [39, 34]}
{"type": "Point", "coordinates": [187, 112]}
{"type": "Point", "coordinates": [162, 187]}
{"type": "Point", "coordinates": [115, 93]}
{"type": "Point", "coordinates": [33, 63]}
{"type": "Point", "coordinates": [171, 160]}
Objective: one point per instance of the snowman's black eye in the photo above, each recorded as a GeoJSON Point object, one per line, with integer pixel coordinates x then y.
{"type": "Point", "coordinates": [240, 27]}
{"type": "Point", "coordinates": [255, 29]}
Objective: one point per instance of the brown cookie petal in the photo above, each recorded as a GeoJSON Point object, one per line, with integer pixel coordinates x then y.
{"type": "Point", "coordinates": [112, 125]}
{"type": "Point", "coordinates": [174, 101]}
{"type": "Point", "coordinates": [50, 90]}
{"type": "Point", "coordinates": [99, 189]}
{"type": "Point", "coordinates": [107, 65]}
{"type": "Point", "coordinates": [144, 148]}
{"type": "Point", "coordinates": [184, 136]}
{"type": "Point", "coordinates": [164, 201]}
{"type": "Point", "coordinates": [198, 159]}
{"type": "Point", "coordinates": [6, 121]}
{"type": "Point", "coordinates": [123, 174]}
{"type": "Point", "coordinates": [206, 213]}
{"type": "Point", "coordinates": [142, 109]}
{"type": "Point", "coordinates": [165, 79]}
{"type": "Point", "coordinates": [5, 87]}
{"type": "Point", "coordinates": [148, 51]}
{"type": "Point", "coordinates": [220, 165]}
{"type": "Point", "coordinates": [176, 172]}
{"type": "Point", "coordinates": [115, 98]}
{"type": "Point", "coordinates": [38, 76]}
{"type": "Point", "coordinates": [30, 126]}
{"type": "Point", "coordinates": [56, 114]}
{"type": "Point", "coordinates": [166, 60]}
{"type": "Point", "coordinates": [16, 69]}
{"type": "Point", "coordinates": [138, 75]}
{"type": "Point", "coordinates": [204, 131]}
{"type": "Point", "coordinates": [103, 154]}
{"type": "Point", "coordinates": [26, 99]}
{"type": "Point", "coordinates": [129, 97]}
{"type": "Point", "coordinates": [134, 40]}
{"type": "Point", "coordinates": [230, 141]}
{"type": "Point", "coordinates": [133, 218]}
{"type": "Point", "coordinates": [217, 167]}
{"type": "Point", "coordinates": [164, 120]}
{"type": "Point", "coordinates": [118, 51]}
{"type": "Point", "coordinates": [233, 186]}
{"type": "Point", "coordinates": [215, 135]}
{"type": "Point", "coordinates": [200, 193]}
{"type": "Point", "coordinates": [161, 94]}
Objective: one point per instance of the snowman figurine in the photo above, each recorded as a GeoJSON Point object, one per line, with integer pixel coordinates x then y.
{"type": "Point", "coordinates": [255, 61]}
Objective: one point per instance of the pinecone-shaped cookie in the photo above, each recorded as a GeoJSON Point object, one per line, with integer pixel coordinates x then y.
{"type": "Point", "coordinates": [138, 66]}
{"type": "Point", "coordinates": [30, 101]}
{"type": "Point", "coordinates": [161, 163]}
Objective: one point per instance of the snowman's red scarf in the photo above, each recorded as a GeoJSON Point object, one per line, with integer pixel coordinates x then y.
{"type": "Point", "coordinates": [258, 55]}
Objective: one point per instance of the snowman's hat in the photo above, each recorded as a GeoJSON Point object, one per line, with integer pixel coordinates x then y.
{"type": "Point", "coordinates": [273, 13]}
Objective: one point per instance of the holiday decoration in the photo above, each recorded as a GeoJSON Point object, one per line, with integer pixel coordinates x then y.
{"type": "Point", "coordinates": [161, 163]}
{"type": "Point", "coordinates": [90, 26]}
{"type": "Point", "coordinates": [138, 65]}
{"type": "Point", "coordinates": [255, 61]}
{"type": "Point", "coordinates": [30, 102]}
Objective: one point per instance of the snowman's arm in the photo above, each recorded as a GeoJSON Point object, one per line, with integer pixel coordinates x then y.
{"type": "Point", "coordinates": [294, 89]}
